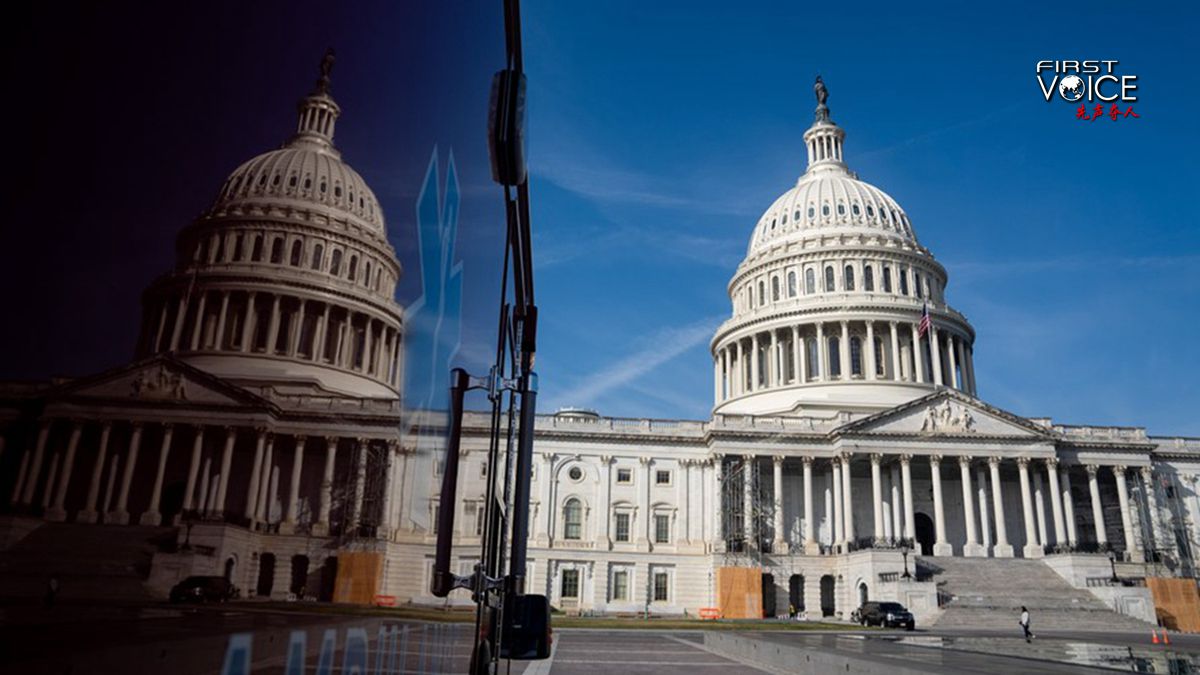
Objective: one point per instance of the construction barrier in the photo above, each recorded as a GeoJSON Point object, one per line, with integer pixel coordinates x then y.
{"type": "Point", "coordinates": [739, 592]}
{"type": "Point", "coordinates": [710, 613]}
{"type": "Point", "coordinates": [359, 576]}
{"type": "Point", "coordinates": [1177, 603]}
{"type": "Point", "coordinates": [385, 601]}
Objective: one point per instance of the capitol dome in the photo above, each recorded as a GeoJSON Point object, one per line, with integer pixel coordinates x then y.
{"type": "Point", "coordinates": [828, 303]}
{"type": "Point", "coordinates": [288, 280]}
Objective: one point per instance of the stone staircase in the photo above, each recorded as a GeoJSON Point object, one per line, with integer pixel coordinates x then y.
{"type": "Point", "coordinates": [90, 561]}
{"type": "Point", "coordinates": [989, 593]}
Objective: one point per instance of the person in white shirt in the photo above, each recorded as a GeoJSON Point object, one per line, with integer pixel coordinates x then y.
{"type": "Point", "coordinates": [1025, 624]}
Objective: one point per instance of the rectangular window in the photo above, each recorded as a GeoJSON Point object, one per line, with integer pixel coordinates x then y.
{"type": "Point", "coordinates": [570, 583]}
{"type": "Point", "coordinates": [660, 586]}
{"type": "Point", "coordinates": [620, 589]}
{"type": "Point", "coordinates": [433, 525]}
{"type": "Point", "coordinates": [624, 476]}
{"type": "Point", "coordinates": [622, 527]}
{"type": "Point", "coordinates": [903, 281]}
{"type": "Point", "coordinates": [662, 529]}
{"type": "Point", "coordinates": [887, 279]}
{"type": "Point", "coordinates": [483, 469]}
{"type": "Point", "coordinates": [662, 477]}
{"type": "Point", "coordinates": [471, 515]}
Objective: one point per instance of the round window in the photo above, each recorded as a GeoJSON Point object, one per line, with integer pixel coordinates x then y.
{"type": "Point", "coordinates": [575, 473]}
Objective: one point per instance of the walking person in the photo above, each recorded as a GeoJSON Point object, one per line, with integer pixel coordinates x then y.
{"type": "Point", "coordinates": [1025, 624]}
{"type": "Point", "coordinates": [51, 591]}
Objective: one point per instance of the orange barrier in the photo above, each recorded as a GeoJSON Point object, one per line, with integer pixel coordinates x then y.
{"type": "Point", "coordinates": [1177, 603]}
{"type": "Point", "coordinates": [385, 601]}
{"type": "Point", "coordinates": [710, 613]}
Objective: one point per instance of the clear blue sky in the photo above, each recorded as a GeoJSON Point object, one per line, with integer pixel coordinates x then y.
{"type": "Point", "coordinates": [661, 131]}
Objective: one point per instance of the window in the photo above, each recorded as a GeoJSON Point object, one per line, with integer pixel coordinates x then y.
{"type": "Point", "coordinates": [622, 527]}
{"type": "Point", "coordinates": [660, 586]}
{"type": "Point", "coordinates": [856, 356]}
{"type": "Point", "coordinates": [662, 477]}
{"type": "Point", "coordinates": [868, 278]}
{"type": "Point", "coordinates": [762, 293]}
{"type": "Point", "coordinates": [367, 274]}
{"type": "Point", "coordinates": [297, 251]}
{"type": "Point", "coordinates": [620, 585]}
{"type": "Point", "coordinates": [856, 210]}
{"type": "Point", "coordinates": [662, 529]}
{"type": "Point", "coordinates": [784, 219]}
{"type": "Point", "coordinates": [335, 265]}
{"type": "Point", "coordinates": [903, 281]}
{"type": "Point", "coordinates": [811, 213]}
{"type": "Point", "coordinates": [237, 247]}
{"type": "Point", "coordinates": [841, 209]}
{"type": "Point", "coordinates": [256, 252]}
{"type": "Point", "coordinates": [824, 209]}
{"type": "Point", "coordinates": [887, 279]}
{"type": "Point", "coordinates": [879, 356]}
{"type": "Point", "coordinates": [433, 524]}
{"type": "Point", "coordinates": [483, 467]}
{"type": "Point", "coordinates": [796, 215]}
{"type": "Point", "coordinates": [849, 274]}
{"type": "Point", "coordinates": [813, 349]}
{"type": "Point", "coordinates": [570, 583]}
{"type": "Point", "coordinates": [572, 520]}
{"type": "Point", "coordinates": [917, 285]}
{"type": "Point", "coordinates": [277, 250]}
{"type": "Point", "coordinates": [624, 476]}
{"type": "Point", "coordinates": [575, 473]}
{"type": "Point", "coordinates": [810, 281]}
{"type": "Point", "coordinates": [775, 289]}
{"type": "Point", "coordinates": [792, 283]}
{"type": "Point", "coordinates": [220, 253]}
{"type": "Point", "coordinates": [318, 257]}
{"type": "Point", "coordinates": [473, 514]}
{"type": "Point", "coordinates": [835, 358]}
{"type": "Point", "coordinates": [353, 267]}
{"type": "Point", "coordinates": [828, 278]}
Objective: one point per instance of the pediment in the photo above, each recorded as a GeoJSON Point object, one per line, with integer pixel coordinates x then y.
{"type": "Point", "coordinates": [160, 380]}
{"type": "Point", "coordinates": [946, 413]}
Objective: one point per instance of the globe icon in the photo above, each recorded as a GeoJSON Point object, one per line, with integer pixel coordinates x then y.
{"type": "Point", "coordinates": [1071, 88]}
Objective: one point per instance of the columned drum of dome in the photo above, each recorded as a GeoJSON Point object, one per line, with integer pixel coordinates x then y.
{"type": "Point", "coordinates": [828, 302]}
{"type": "Point", "coordinates": [288, 277]}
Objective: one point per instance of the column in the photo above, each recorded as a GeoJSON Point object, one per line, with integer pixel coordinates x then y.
{"type": "Point", "coordinates": [58, 512]}
{"type": "Point", "coordinates": [219, 338]}
{"type": "Point", "coordinates": [368, 344]}
{"type": "Point", "coordinates": [152, 516]}
{"type": "Point", "coordinates": [360, 481]}
{"type": "Point", "coordinates": [255, 482]}
{"type": "Point", "coordinates": [717, 379]}
{"type": "Point", "coordinates": [869, 348]}
{"type": "Point", "coordinates": [964, 381]}
{"type": "Point", "coordinates": [385, 513]}
{"type": "Point", "coordinates": [773, 372]}
{"type": "Point", "coordinates": [895, 351]}
{"type": "Point", "coordinates": [318, 352]}
{"type": "Point", "coordinates": [777, 499]}
{"type": "Point", "coordinates": [755, 383]}
{"type": "Point", "coordinates": [604, 535]}
{"type": "Point", "coordinates": [797, 356]}
{"type": "Point", "coordinates": [822, 352]}
{"type": "Point", "coordinates": [844, 351]}
{"type": "Point", "coordinates": [198, 328]}
{"type": "Point", "coordinates": [273, 328]}
{"type": "Point", "coordinates": [971, 548]}
{"type": "Point", "coordinates": [1097, 509]}
{"type": "Point", "coordinates": [969, 360]}
{"type": "Point", "coordinates": [88, 514]}
{"type": "Point", "coordinates": [1002, 549]}
{"type": "Point", "coordinates": [953, 348]}
{"type": "Point", "coordinates": [1068, 506]}
{"type": "Point", "coordinates": [941, 547]}
{"type": "Point", "coordinates": [1126, 525]}
{"type": "Point", "coordinates": [226, 462]}
{"type": "Point", "coordinates": [1156, 538]}
{"type": "Point", "coordinates": [162, 324]}
{"type": "Point", "coordinates": [1032, 548]}
{"type": "Point", "coordinates": [810, 539]}
{"type": "Point", "coordinates": [838, 536]}
{"type": "Point", "coordinates": [294, 341]}
{"type": "Point", "coordinates": [1039, 509]}
{"type": "Point", "coordinates": [35, 467]}
{"type": "Point", "coordinates": [289, 520]}
{"type": "Point", "coordinates": [121, 515]}
{"type": "Point", "coordinates": [177, 331]}
{"type": "Point", "coordinates": [1056, 505]}
{"type": "Point", "coordinates": [321, 527]}
{"type": "Point", "coordinates": [262, 509]}
{"type": "Point", "coordinates": [918, 361]}
{"type": "Point", "coordinates": [936, 355]}
{"type": "Point", "coordinates": [247, 328]}
{"type": "Point", "coordinates": [716, 538]}
{"type": "Point", "coordinates": [739, 381]}
{"type": "Point", "coordinates": [847, 494]}
{"type": "Point", "coordinates": [747, 497]}
{"type": "Point", "coordinates": [189, 492]}
{"type": "Point", "coordinates": [910, 526]}
{"type": "Point", "coordinates": [985, 520]}
{"type": "Point", "coordinates": [897, 502]}
{"type": "Point", "coordinates": [203, 503]}
{"type": "Point", "coordinates": [877, 494]}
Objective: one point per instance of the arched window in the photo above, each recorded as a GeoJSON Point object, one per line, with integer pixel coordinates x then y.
{"type": "Point", "coordinates": [887, 279]}
{"type": "Point", "coordinates": [849, 272]}
{"type": "Point", "coordinates": [828, 278]}
{"type": "Point", "coordinates": [856, 356]}
{"type": "Point", "coordinates": [792, 283]}
{"type": "Point", "coordinates": [257, 252]}
{"type": "Point", "coordinates": [572, 519]}
{"type": "Point", "coordinates": [238, 243]}
{"type": "Point", "coordinates": [903, 280]}
{"type": "Point", "coordinates": [868, 278]}
{"type": "Point", "coordinates": [813, 357]}
{"type": "Point", "coordinates": [879, 356]}
{"type": "Point", "coordinates": [835, 358]}
{"type": "Point", "coordinates": [774, 289]}
{"type": "Point", "coordinates": [810, 281]}
{"type": "Point", "coordinates": [917, 285]}
{"type": "Point", "coordinates": [297, 252]}
{"type": "Point", "coordinates": [367, 275]}
{"type": "Point", "coordinates": [277, 250]}
{"type": "Point", "coordinates": [335, 266]}
{"type": "Point", "coordinates": [353, 267]}
{"type": "Point", "coordinates": [318, 256]}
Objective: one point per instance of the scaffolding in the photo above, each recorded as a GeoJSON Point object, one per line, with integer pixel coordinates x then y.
{"type": "Point", "coordinates": [746, 547]}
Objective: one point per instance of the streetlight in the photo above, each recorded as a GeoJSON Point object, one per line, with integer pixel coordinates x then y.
{"type": "Point", "coordinates": [1112, 560]}
{"type": "Point", "coordinates": [904, 552]}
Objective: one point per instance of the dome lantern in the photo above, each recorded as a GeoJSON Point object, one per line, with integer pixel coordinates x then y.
{"type": "Point", "coordinates": [318, 112]}
{"type": "Point", "coordinates": [824, 138]}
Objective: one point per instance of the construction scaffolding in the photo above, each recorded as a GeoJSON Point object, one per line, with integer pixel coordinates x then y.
{"type": "Point", "coordinates": [743, 491]}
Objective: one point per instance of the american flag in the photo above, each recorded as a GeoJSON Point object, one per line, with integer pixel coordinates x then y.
{"type": "Point", "coordinates": [924, 326]}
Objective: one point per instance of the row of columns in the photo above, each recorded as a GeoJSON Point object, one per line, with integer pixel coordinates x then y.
{"type": "Point", "coordinates": [377, 341]}
{"type": "Point", "coordinates": [205, 492]}
{"type": "Point", "coordinates": [739, 365]}
{"type": "Point", "coordinates": [901, 524]}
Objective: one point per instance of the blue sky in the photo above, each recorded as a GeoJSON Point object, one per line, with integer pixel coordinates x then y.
{"type": "Point", "coordinates": [661, 131]}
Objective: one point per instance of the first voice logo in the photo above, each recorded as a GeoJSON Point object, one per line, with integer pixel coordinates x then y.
{"type": "Point", "coordinates": [1095, 85]}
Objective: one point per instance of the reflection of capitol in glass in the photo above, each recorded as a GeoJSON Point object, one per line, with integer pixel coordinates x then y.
{"type": "Point", "coordinates": [1071, 88]}
{"type": "Point", "coordinates": [265, 411]}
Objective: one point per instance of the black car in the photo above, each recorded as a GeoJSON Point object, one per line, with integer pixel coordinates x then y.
{"type": "Point", "coordinates": [202, 589]}
{"type": "Point", "coordinates": [887, 614]}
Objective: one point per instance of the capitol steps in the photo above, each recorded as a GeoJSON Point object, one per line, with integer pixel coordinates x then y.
{"type": "Point", "coordinates": [90, 561]}
{"type": "Point", "coordinates": [989, 593]}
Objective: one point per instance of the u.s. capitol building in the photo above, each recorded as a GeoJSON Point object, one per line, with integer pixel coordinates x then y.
{"type": "Point", "coordinates": [846, 447]}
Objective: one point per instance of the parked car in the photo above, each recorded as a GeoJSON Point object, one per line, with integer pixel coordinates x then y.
{"type": "Point", "coordinates": [203, 589]}
{"type": "Point", "coordinates": [886, 614]}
